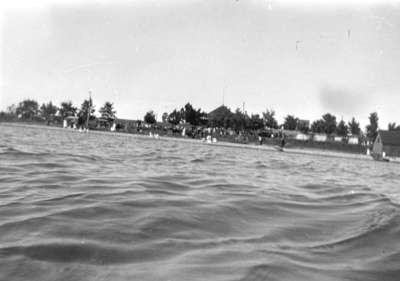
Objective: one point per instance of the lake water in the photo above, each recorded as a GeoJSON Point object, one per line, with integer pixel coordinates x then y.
{"type": "Point", "coordinates": [76, 206]}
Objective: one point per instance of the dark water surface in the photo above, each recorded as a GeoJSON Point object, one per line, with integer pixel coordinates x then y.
{"type": "Point", "coordinates": [77, 206]}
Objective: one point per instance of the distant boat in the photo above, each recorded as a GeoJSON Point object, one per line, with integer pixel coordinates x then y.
{"type": "Point", "coordinates": [378, 157]}
{"type": "Point", "coordinates": [386, 142]}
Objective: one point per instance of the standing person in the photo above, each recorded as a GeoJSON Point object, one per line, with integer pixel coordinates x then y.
{"type": "Point", "coordinates": [283, 141]}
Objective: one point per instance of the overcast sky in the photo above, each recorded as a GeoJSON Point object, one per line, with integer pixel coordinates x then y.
{"type": "Point", "coordinates": [300, 58]}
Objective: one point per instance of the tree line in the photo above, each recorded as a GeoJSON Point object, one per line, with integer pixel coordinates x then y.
{"type": "Point", "coordinates": [238, 120]}
{"type": "Point", "coordinates": [241, 121]}
{"type": "Point", "coordinates": [29, 109]}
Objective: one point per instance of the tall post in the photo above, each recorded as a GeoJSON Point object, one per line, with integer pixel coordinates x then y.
{"type": "Point", "coordinates": [89, 108]}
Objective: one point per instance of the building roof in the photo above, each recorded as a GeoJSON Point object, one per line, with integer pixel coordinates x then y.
{"type": "Point", "coordinates": [126, 120]}
{"type": "Point", "coordinates": [390, 137]}
{"type": "Point", "coordinates": [219, 111]}
{"type": "Point", "coordinates": [303, 121]}
{"type": "Point", "coordinates": [71, 118]}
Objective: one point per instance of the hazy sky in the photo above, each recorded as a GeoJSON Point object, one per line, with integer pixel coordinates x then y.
{"type": "Point", "coordinates": [302, 58]}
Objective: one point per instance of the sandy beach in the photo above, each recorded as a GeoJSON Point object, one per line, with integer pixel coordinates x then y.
{"type": "Point", "coordinates": [298, 151]}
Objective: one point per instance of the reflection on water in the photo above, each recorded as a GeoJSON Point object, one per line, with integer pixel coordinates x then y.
{"type": "Point", "coordinates": [96, 206]}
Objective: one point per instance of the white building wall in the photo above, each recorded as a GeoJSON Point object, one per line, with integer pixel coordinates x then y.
{"type": "Point", "coordinates": [320, 137]}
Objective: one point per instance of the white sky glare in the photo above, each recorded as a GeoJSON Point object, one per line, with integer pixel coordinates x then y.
{"type": "Point", "coordinates": [303, 58]}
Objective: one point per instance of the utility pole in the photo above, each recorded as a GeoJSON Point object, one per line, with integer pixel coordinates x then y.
{"type": "Point", "coordinates": [89, 108]}
{"type": "Point", "coordinates": [223, 95]}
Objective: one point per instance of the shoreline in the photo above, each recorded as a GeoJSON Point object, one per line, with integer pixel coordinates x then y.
{"type": "Point", "coordinates": [298, 151]}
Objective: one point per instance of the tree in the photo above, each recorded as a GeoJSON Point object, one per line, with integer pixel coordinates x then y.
{"type": "Point", "coordinates": [372, 128]}
{"type": "Point", "coordinates": [175, 117]}
{"type": "Point", "coordinates": [47, 111]}
{"type": "Point", "coordinates": [86, 112]}
{"type": "Point", "coordinates": [393, 127]}
{"type": "Point", "coordinates": [107, 112]}
{"type": "Point", "coordinates": [354, 127]}
{"type": "Point", "coordinates": [150, 117]}
{"type": "Point", "coordinates": [189, 114]}
{"type": "Point", "coordinates": [67, 109]}
{"type": "Point", "coordinates": [164, 117]}
{"type": "Point", "coordinates": [238, 120]}
{"type": "Point", "coordinates": [193, 116]}
{"type": "Point", "coordinates": [303, 126]}
{"type": "Point", "coordinates": [290, 122]}
{"type": "Point", "coordinates": [202, 117]}
{"type": "Point", "coordinates": [342, 129]}
{"type": "Point", "coordinates": [9, 114]}
{"type": "Point", "coordinates": [256, 122]}
{"type": "Point", "coordinates": [269, 119]}
{"type": "Point", "coordinates": [318, 126]}
{"type": "Point", "coordinates": [27, 109]}
{"type": "Point", "coordinates": [329, 123]}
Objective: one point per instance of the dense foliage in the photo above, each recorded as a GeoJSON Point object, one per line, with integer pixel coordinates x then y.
{"type": "Point", "coordinates": [107, 112]}
{"type": "Point", "coordinates": [175, 117]}
{"type": "Point", "coordinates": [67, 109]}
{"type": "Point", "coordinates": [290, 123]}
{"type": "Point", "coordinates": [86, 112]}
{"type": "Point", "coordinates": [372, 128]}
{"type": "Point", "coordinates": [325, 125]}
{"type": "Point", "coordinates": [354, 127]}
{"type": "Point", "coordinates": [342, 129]}
{"type": "Point", "coordinates": [150, 117]}
{"type": "Point", "coordinates": [393, 127]}
{"type": "Point", "coordinates": [222, 117]}
{"type": "Point", "coordinates": [48, 111]}
{"type": "Point", "coordinates": [164, 117]}
{"type": "Point", "coordinates": [269, 119]}
{"type": "Point", "coordinates": [27, 109]}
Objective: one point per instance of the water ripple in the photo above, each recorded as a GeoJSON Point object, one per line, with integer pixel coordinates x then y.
{"type": "Point", "coordinates": [104, 206]}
